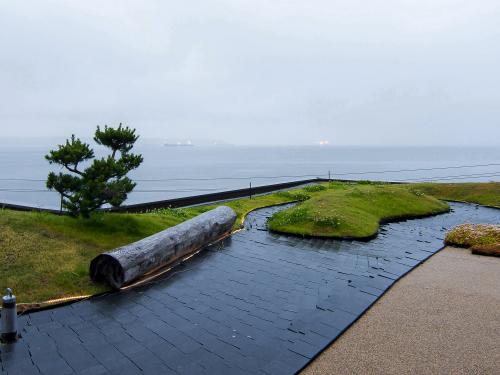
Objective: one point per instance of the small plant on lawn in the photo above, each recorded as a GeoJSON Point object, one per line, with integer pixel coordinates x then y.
{"type": "Point", "coordinates": [179, 213]}
{"type": "Point", "coordinates": [369, 182]}
{"type": "Point", "coordinates": [356, 192]}
{"type": "Point", "coordinates": [295, 195]}
{"type": "Point", "coordinates": [296, 215]}
{"type": "Point", "coordinates": [104, 181]}
{"type": "Point", "coordinates": [417, 192]}
{"type": "Point", "coordinates": [314, 188]}
{"type": "Point", "coordinates": [327, 221]}
{"type": "Point", "coordinates": [337, 185]}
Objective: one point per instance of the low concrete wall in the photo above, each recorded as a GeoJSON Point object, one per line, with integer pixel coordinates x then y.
{"type": "Point", "coordinates": [18, 207]}
{"type": "Point", "coordinates": [181, 202]}
{"type": "Point", "coordinates": [128, 263]}
{"type": "Point", "coordinates": [213, 197]}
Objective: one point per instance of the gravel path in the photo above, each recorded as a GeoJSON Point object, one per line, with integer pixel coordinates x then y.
{"type": "Point", "coordinates": [442, 318]}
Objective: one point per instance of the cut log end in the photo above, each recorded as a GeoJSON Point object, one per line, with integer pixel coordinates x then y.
{"type": "Point", "coordinates": [106, 269]}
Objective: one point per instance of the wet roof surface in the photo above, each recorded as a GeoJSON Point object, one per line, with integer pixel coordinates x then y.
{"type": "Point", "coordinates": [257, 303]}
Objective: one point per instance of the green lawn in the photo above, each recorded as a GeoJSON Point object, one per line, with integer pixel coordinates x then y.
{"type": "Point", "coordinates": [340, 210]}
{"type": "Point", "coordinates": [487, 193]}
{"type": "Point", "coordinates": [45, 256]}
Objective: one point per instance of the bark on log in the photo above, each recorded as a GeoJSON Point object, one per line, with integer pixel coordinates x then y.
{"type": "Point", "coordinates": [128, 263]}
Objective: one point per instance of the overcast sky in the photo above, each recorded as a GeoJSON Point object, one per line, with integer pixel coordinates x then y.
{"type": "Point", "coordinates": [254, 71]}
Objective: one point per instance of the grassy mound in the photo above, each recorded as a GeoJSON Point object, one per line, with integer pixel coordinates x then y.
{"type": "Point", "coordinates": [487, 193]}
{"type": "Point", "coordinates": [482, 239]}
{"type": "Point", "coordinates": [354, 210]}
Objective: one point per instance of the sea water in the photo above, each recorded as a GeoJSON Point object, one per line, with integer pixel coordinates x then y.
{"type": "Point", "coordinates": [171, 172]}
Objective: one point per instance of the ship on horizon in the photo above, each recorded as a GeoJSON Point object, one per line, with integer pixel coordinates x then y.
{"type": "Point", "coordinates": [194, 142]}
{"type": "Point", "coordinates": [186, 143]}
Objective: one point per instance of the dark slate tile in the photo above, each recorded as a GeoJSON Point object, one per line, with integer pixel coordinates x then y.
{"type": "Point", "coordinates": [78, 358]}
{"type": "Point", "coordinates": [108, 356]}
{"type": "Point", "coordinates": [125, 369]}
{"type": "Point", "coordinates": [64, 336]}
{"type": "Point", "coordinates": [145, 336]}
{"type": "Point", "coordinates": [94, 370]}
{"type": "Point", "coordinates": [172, 357]}
{"type": "Point", "coordinates": [114, 334]}
{"type": "Point", "coordinates": [92, 335]}
{"type": "Point", "coordinates": [42, 351]}
{"type": "Point", "coordinates": [149, 363]}
{"type": "Point", "coordinates": [21, 367]}
{"type": "Point", "coordinates": [128, 346]}
{"type": "Point", "coordinates": [17, 351]}
{"type": "Point", "coordinates": [303, 348]}
{"type": "Point", "coordinates": [40, 317]}
{"type": "Point", "coordinates": [315, 339]}
{"type": "Point", "coordinates": [191, 368]}
{"type": "Point", "coordinates": [277, 367]}
{"type": "Point", "coordinates": [50, 366]}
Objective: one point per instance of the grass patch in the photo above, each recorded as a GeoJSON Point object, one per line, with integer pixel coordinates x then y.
{"type": "Point", "coordinates": [486, 193]}
{"type": "Point", "coordinates": [354, 210]}
{"type": "Point", "coordinates": [480, 238]}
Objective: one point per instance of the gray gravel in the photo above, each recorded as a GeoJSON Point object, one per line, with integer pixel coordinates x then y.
{"type": "Point", "coordinates": [442, 318]}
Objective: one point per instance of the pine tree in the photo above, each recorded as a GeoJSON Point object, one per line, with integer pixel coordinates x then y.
{"type": "Point", "coordinates": [104, 181]}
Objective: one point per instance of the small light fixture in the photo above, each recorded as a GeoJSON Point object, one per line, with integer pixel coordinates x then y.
{"type": "Point", "coordinates": [9, 317]}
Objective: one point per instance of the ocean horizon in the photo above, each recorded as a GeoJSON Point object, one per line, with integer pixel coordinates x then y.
{"type": "Point", "coordinates": [172, 172]}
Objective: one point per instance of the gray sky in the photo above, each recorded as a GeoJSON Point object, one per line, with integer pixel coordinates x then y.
{"type": "Point", "coordinates": [254, 71]}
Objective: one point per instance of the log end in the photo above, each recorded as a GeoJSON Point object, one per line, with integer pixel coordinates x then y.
{"type": "Point", "coordinates": [105, 268]}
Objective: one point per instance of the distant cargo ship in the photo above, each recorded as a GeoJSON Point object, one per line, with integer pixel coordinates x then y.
{"type": "Point", "coordinates": [179, 144]}
{"type": "Point", "coordinates": [194, 142]}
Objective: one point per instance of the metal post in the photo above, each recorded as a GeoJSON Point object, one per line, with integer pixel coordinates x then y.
{"type": "Point", "coordinates": [250, 190]}
{"type": "Point", "coordinates": [329, 176]}
{"type": "Point", "coordinates": [9, 317]}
